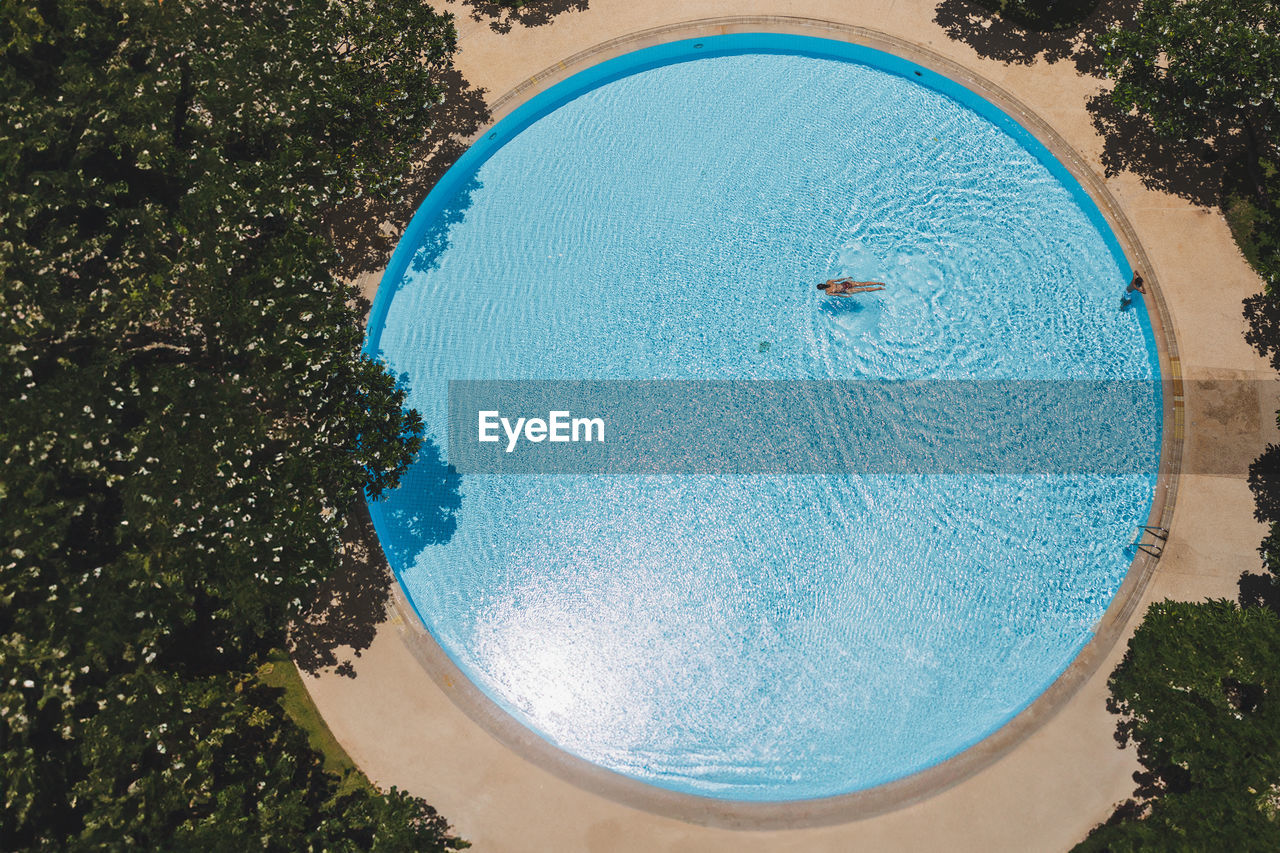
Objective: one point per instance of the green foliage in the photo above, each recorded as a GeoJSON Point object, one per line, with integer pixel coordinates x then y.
{"type": "Point", "coordinates": [1206, 70]}
{"type": "Point", "coordinates": [188, 412]}
{"type": "Point", "coordinates": [1255, 225]}
{"type": "Point", "coordinates": [217, 766]}
{"type": "Point", "coordinates": [1263, 590]}
{"type": "Point", "coordinates": [1262, 313]}
{"type": "Point", "coordinates": [1198, 692]}
{"type": "Point", "coordinates": [1257, 233]}
{"type": "Point", "coordinates": [1199, 68]}
{"type": "Point", "coordinates": [280, 672]}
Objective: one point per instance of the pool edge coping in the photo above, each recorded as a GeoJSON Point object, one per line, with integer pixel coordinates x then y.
{"type": "Point", "coordinates": [923, 784]}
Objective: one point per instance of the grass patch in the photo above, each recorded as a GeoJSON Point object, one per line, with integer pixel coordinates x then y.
{"type": "Point", "coordinates": [1244, 218]}
{"type": "Point", "coordinates": [1256, 228]}
{"type": "Point", "coordinates": [280, 672]}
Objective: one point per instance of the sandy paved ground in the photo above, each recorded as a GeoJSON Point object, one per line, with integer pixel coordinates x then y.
{"type": "Point", "coordinates": [405, 728]}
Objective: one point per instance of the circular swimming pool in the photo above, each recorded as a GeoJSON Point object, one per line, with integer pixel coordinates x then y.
{"type": "Point", "coordinates": [763, 635]}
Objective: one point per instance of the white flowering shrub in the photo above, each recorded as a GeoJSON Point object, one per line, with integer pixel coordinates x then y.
{"type": "Point", "coordinates": [187, 411]}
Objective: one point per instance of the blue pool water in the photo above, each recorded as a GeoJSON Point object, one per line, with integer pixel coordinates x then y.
{"type": "Point", "coordinates": [759, 637]}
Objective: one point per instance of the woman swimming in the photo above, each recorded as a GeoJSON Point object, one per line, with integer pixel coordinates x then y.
{"type": "Point", "coordinates": [848, 287]}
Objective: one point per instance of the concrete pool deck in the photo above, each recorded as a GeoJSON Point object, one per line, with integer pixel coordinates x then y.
{"type": "Point", "coordinates": [1060, 776]}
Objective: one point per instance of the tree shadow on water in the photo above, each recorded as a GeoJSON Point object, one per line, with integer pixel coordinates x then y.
{"type": "Point", "coordinates": [530, 13]}
{"type": "Point", "coordinates": [365, 230]}
{"type": "Point", "coordinates": [352, 603]}
{"type": "Point", "coordinates": [435, 240]}
{"type": "Point", "coordinates": [422, 511]}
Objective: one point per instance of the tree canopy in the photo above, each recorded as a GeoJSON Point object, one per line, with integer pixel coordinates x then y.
{"type": "Point", "coordinates": [1199, 68]}
{"type": "Point", "coordinates": [1197, 692]}
{"type": "Point", "coordinates": [188, 413]}
{"type": "Point", "coordinates": [1204, 71]}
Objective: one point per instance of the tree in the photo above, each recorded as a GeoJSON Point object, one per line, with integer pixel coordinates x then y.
{"type": "Point", "coordinates": [1197, 688]}
{"type": "Point", "coordinates": [188, 413]}
{"type": "Point", "coordinates": [1198, 692]}
{"type": "Point", "coordinates": [213, 764]}
{"type": "Point", "coordinates": [1262, 313]}
{"type": "Point", "coordinates": [1264, 480]}
{"type": "Point", "coordinates": [1202, 69]}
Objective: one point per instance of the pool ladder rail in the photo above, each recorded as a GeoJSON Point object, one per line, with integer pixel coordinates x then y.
{"type": "Point", "coordinates": [1156, 548]}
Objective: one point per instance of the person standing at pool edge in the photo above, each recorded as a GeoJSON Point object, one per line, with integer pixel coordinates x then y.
{"type": "Point", "coordinates": [1137, 285]}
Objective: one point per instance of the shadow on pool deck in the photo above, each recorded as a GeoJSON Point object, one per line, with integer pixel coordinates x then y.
{"type": "Point", "coordinates": [1191, 170]}
{"type": "Point", "coordinates": [365, 230]}
{"type": "Point", "coordinates": [531, 13]}
{"type": "Point", "coordinates": [348, 607]}
{"type": "Point", "coordinates": [343, 618]}
{"type": "Point", "coordinates": [994, 37]}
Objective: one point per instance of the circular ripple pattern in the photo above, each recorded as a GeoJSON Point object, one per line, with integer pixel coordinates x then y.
{"type": "Point", "coordinates": [761, 637]}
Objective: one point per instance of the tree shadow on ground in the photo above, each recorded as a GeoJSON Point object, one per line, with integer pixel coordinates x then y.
{"type": "Point", "coordinates": [1259, 590]}
{"type": "Point", "coordinates": [343, 618]}
{"type": "Point", "coordinates": [1193, 170]}
{"type": "Point", "coordinates": [348, 607]}
{"type": "Point", "coordinates": [365, 230]}
{"type": "Point", "coordinates": [531, 13]}
{"type": "Point", "coordinates": [995, 37]}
